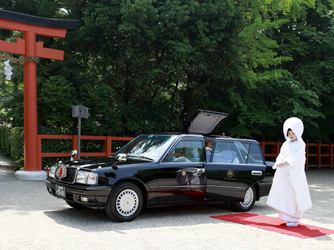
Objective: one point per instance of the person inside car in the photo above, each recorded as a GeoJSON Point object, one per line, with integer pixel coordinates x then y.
{"type": "Point", "coordinates": [208, 150]}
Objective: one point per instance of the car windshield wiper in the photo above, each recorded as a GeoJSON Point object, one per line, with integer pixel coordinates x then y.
{"type": "Point", "coordinates": [140, 156]}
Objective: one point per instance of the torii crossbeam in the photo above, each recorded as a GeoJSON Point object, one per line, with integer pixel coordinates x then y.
{"type": "Point", "coordinates": [31, 26]}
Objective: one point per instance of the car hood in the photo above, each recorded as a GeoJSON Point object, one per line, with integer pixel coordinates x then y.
{"type": "Point", "coordinates": [105, 162]}
{"type": "Point", "coordinates": [203, 122]}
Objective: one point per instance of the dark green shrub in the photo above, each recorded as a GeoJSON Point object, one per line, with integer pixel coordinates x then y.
{"type": "Point", "coordinates": [5, 142]}
{"type": "Point", "coordinates": [17, 142]}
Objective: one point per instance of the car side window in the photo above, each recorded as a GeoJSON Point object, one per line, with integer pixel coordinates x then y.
{"type": "Point", "coordinates": [226, 152]}
{"type": "Point", "coordinates": [251, 152]}
{"type": "Point", "coordinates": [187, 151]}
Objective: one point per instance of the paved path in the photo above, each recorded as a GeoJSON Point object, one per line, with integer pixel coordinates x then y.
{"type": "Point", "coordinates": [30, 218]}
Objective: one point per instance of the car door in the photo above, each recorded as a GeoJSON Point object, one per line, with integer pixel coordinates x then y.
{"type": "Point", "coordinates": [234, 166]}
{"type": "Point", "coordinates": [182, 172]}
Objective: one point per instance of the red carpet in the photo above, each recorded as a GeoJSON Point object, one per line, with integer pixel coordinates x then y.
{"type": "Point", "coordinates": [275, 224]}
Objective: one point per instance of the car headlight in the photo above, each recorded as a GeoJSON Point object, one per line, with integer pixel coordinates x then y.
{"type": "Point", "coordinates": [85, 177]}
{"type": "Point", "coordinates": [52, 171]}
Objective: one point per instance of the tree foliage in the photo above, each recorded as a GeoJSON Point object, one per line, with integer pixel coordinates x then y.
{"type": "Point", "coordinates": [146, 66]}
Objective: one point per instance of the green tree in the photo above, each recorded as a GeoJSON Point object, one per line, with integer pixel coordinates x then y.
{"type": "Point", "coordinates": [146, 66]}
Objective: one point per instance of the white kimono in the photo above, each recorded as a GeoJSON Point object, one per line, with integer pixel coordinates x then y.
{"type": "Point", "coordinates": [289, 193]}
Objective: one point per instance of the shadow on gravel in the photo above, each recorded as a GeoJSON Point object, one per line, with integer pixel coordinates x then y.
{"type": "Point", "coordinates": [6, 173]}
{"type": "Point", "coordinates": [97, 220]}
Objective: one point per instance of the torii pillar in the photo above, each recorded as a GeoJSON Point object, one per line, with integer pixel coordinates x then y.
{"type": "Point", "coordinates": [31, 26]}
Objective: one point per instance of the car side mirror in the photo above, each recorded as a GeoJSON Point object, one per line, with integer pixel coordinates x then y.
{"type": "Point", "coordinates": [73, 153]}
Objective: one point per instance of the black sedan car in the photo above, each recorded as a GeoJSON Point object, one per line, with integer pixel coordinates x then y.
{"type": "Point", "coordinates": [157, 170]}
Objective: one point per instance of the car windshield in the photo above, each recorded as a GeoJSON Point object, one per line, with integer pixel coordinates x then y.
{"type": "Point", "coordinates": [147, 146]}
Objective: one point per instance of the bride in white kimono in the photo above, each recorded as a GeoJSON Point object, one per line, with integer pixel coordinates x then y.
{"type": "Point", "coordinates": [289, 193]}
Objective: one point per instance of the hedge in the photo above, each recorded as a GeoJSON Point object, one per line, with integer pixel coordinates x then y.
{"type": "Point", "coordinates": [5, 145]}
{"type": "Point", "coordinates": [11, 143]}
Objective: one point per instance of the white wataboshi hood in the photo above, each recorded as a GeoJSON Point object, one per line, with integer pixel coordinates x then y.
{"type": "Point", "coordinates": [296, 125]}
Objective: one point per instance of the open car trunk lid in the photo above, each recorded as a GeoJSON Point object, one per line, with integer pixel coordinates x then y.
{"type": "Point", "coordinates": [203, 122]}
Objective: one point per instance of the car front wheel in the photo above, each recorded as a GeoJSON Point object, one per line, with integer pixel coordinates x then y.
{"type": "Point", "coordinates": [248, 202]}
{"type": "Point", "coordinates": [125, 202]}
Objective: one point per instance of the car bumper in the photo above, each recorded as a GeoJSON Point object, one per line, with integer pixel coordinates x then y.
{"type": "Point", "coordinates": [265, 186]}
{"type": "Point", "coordinates": [89, 196]}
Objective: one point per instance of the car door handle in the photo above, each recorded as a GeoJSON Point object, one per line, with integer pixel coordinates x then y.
{"type": "Point", "coordinates": [256, 172]}
{"type": "Point", "coordinates": [201, 170]}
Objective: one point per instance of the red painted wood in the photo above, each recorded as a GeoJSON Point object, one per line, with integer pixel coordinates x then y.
{"type": "Point", "coordinates": [107, 148]}
{"type": "Point", "coordinates": [30, 48]}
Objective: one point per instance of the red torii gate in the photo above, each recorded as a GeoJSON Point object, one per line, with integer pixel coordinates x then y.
{"type": "Point", "coordinates": [32, 26]}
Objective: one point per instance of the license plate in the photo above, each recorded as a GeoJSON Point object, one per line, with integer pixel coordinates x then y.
{"type": "Point", "coordinates": [60, 191]}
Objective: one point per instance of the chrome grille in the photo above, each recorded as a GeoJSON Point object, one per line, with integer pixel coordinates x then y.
{"type": "Point", "coordinates": [70, 175]}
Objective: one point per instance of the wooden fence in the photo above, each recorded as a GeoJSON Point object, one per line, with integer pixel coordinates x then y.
{"type": "Point", "coordinates": [317, 155]}
{"type": "Point", "coordinates": [106, 151]}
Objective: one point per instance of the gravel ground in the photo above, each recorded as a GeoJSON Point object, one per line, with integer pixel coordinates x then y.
{"type": "Point", "coordinates": [30, 218]}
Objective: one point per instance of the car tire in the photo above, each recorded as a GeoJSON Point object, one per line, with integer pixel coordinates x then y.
{"type": "Point", "coordinates": [125, 202]}
{"type": "Point", "coordinates": [75, 205]}
{"type": "Point", "coordinates": [248, 202]}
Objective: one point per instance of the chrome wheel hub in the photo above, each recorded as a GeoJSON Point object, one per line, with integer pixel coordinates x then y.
{"type": "Point", "coordinates": [249, 197]}
{"type": "Point", "coordinates": [127, 202]}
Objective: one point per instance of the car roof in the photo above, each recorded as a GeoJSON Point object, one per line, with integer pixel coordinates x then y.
{"type": "Point", "coordinates": [207, 138]}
